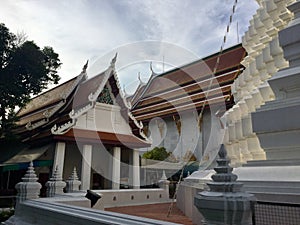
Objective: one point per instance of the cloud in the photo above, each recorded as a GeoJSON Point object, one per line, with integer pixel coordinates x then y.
{"type": "Point", "coordinates": [89, 29]}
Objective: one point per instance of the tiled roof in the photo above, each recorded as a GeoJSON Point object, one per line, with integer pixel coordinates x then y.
{"type": "Point", "coordinates": [195, 71]}
{"type": "Point", "coordinates": [85, 89]}
{"type": "Point", "coordinates": [90, 136]}
{"type": "Point", "coordinates": [183, 102]}
{"type": "Point", "coordinates": [46, 104]}
{"type": "Point", "coordinates": [138, 93]}
{"type": "Point", "coordinates": [47, 98]}
{"type": "Point", "coordinates": [186, 87]}
{"type": "Point", "coordinates": [34, 116]}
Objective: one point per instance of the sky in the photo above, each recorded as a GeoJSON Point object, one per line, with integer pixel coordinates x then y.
{"type": "Point", "coordinates": [168, 33]}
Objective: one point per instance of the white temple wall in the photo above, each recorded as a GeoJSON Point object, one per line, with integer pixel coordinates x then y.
{"type": "Point", "coordinates": [190, 135]}
{"type": "Point", "coordinates": [172, 136]}
{"type": "Point", "coordinates": [164, 133]}
{"type": "Point", "coordinates": [104, 117]}
{"type": "Point", "coordinates": [157, 132]}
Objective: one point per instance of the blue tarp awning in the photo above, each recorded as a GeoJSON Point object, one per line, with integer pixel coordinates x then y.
{"type": "Point", "coordinates": [24, 165]}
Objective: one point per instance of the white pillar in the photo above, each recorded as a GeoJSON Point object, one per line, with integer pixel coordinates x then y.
{"type": "Point", "coordinates": [59, 157]}
{"type": "Point", "coordinates": [135, 169]}
{"type": "Point", "coordinates": [116, 168]}
{"type": "Point", "coordinates": [86, 167]}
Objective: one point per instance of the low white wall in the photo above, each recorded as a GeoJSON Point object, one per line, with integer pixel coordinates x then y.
{"type": "Point", "coordinates": [45, 212]}
{"type": "Point", "coordinates": [114, 198]}
{"type": "Point", "coordinates": [74, 208]}
{"type": "Point", "coordinates": [267, 183]}
{"type": "Point", "coordinates": [185, 202]}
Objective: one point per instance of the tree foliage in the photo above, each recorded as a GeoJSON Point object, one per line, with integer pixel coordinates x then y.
{"type": "Point", "coordinates": [25, 70]}
{"type": "Point", "coordinates": [158, 153]}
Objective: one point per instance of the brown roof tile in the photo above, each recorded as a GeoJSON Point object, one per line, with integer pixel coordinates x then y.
{"type": "Point", "coordinates": [183, 89]}
{"type": "Point", "coordinates": [85, 89]}
{"type": "Point", "coordinates": [47, 98]}
{"type": "Point", "coordinates": [189, 89]}
{"type": "Point", "coordinates": [184, 100]}
{"type": "Point", "coordinates": [138, 93]}
{"type": "Point", "coordinates": [195, 71]}
{"type": "Point", "coordinates": [35, 116]}
{"type": "Point", "coordinates": [175, 110]}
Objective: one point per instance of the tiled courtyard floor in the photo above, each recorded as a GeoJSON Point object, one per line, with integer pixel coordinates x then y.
{"type": "Point", "coordinates": [155, 211]}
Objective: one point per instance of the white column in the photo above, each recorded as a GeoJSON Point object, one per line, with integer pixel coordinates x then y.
{"type": "Point", "coordinates": [86, 167]}
{"type": "Point", "coordinates": [116, 168]}
{"type": "Point", "coordinates": [135, 169]}
{"type": "Point", "coordinates": [59, 157]}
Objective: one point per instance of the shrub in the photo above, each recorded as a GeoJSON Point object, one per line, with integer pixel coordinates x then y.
{"type": "Point", "coordinates": [5, 214]}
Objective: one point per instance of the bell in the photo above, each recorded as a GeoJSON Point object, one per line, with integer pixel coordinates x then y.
{"type": "Point", "coordinates": [93, 197]}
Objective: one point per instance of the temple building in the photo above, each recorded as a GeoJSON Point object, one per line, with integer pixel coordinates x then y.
{"type": "Point", "coordinates": [83, 123]}
{"type": "Point", "coordinates": [169, 105]}
{"type": "Point", "coordinates": [89, 124]}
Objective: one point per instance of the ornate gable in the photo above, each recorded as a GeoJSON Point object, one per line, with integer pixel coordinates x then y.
{"type": "Point", "coordinates": [103, 88]}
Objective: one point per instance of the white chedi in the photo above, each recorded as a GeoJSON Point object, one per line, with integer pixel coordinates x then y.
{"type": "Point", "coordinates": [29, 188]}
{"type": "Point", "coordinates": [73, 182]}
{"type": "Point", "coordinates": [55, 185]}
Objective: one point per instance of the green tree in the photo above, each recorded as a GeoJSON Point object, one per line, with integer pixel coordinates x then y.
{"type": "Point", "coordinates": [157, 153]}
{"type": "Point", "coordinates": [25, 70]}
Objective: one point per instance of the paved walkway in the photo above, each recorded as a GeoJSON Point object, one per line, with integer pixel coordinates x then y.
{"type": "Point", "coordinates": [154, 211]}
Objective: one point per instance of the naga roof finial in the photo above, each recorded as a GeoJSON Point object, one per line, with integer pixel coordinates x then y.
{"type": "Point", "coordinates": [153, 74]}
{"type": "Point", "coordinates": [113, 61]}
{"type": "Point", "coordinates": [151, 68]}
{"type": "Point", "coordinates": [85, 66]}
